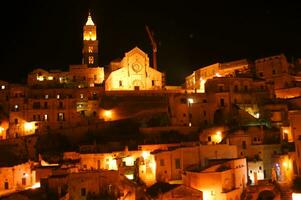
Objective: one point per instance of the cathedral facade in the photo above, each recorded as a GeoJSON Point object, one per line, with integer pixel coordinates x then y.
{"type": "Point", "coordinates": [133, 72]}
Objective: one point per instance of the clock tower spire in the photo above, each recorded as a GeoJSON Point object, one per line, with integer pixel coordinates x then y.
{"type": "Point", "coordinates": [90, 43]}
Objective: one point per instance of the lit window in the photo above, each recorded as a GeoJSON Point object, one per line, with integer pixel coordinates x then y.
{"type": "Point", "coordinates": [153, 83]}
{"type": "Point", "coordinates": [3, 87]}
{"type": "Point", "coordinates": [90, 49]}
{"type": "Point", "coordinates": [50, 78]}
{"type": "Point", "coordinates": [81, 96]}
{"type": "Point", "coordinates": [120, 83]}
{"type": "Point", "coordinates": [60, 117]}
{"type": "Point", "coordinates": [46, 117]}
{"type": "Point", "coordinates": [58, 96]}
{"type": "Point", "coordinates": [91, 59]}
{"type": "Point", "coordinates": [46, 96]}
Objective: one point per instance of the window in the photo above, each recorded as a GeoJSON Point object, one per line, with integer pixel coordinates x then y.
{"type": "Point", "coordinates": [83, 192]}
{"type": "Point", "coordinates": [260, 168]}
{"type": "Point", "coordinates": [16, 121]}
{"type": "Point", "coordinates": [153, 83]}
{"type": "Point", "coordinates": [81, 96]}
{"type": "Point", "coordinates": [161, 162]}
{"type": "Point", "coordinates": [36, 105]}
{"type": "Point", "coordinates": [2, 87]}
{"type": "Point", "coordinates": [274, 71]}
{"type": "Point", "coordinates": [91, 59]}
{"type": "Point", "coordinates": [209, 138]}
{"type": "Point", "coordinates": [58, 96]}
{"type": "Point", "coordinates": [16, 108]}
{"type": "Point", "coordinates": [95, 77]}
{"type": "Point", "coordinates": [178, 163]}
{"type": "Point", "coordinates": [45, 104]}
{"type": "Point", "coordinates": [244, 145]}
{"type": "Point", "coordinates": [120, 83]}
{"type": "Point", "coordinates": [90, 49]}
{"type": "Point", "coordinates": [46, 96]}
{"type": "Point", "coordinates": [61, 105]}
{"type": "Point", "coordinates": [261, 74]}
{"type": "Point", "coordinates": [221, 88]}
{"type": "Point", "coordinates": [183, 100]}
{"type": "Point", "coordinates": [6, 187]}
{"type": "Point", "coordinates": [45, 117]}
{"type": "Point", "coordinates": [24, 181]}
{"type": "Point", "coordinates": [34, 117]}
{"type": "Point", "coordinates": [60, 117]}
{"type": "Point", "coordinates": [222, 102]}
{"type": "Point", "coordinates": [246, 88]}
{"type": "Point", "coordinates": [236, 88]}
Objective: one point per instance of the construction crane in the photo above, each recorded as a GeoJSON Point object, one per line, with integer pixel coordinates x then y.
{"type": "Point", "coordinates": [154, 46]}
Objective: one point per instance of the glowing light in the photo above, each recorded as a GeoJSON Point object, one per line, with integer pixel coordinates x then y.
{"type": "Point", "coordinates": [36, 185]}
{"type": "Point", "coordinates": [190, 124]}
{"type": "Point", "coordinates": [50, 78]}
{"type": "Point", "coordinates": [28, 126]}
{"type": "Point", "coordinates": [112, 164]}
{"type": "Point", "coordinates": [40, 78]}
{"type": "Point", "coordinates": [107, 114]}
{"type": "Point", "coordinates": [284, 164]}
{"type": "Point", "coordinates": [1, 129]}
{"type": "Point", "coordinates": [129, 161]}
{"type": "Point", "coordinates": [257, 115]}
{"type": "Point", "coordinates": [2, 87]}
{"type": "Point", "coordinates": [218, 137]}
{"type": "Point", "coordinates": [190, 100]}
{"type": "Point", "coordinates": [217, 74]}
{"type": "Point", "coordinates": [145, 154]}
{"type": "Point", "coordinates": [129, 176]}
{"type": "Point", "coordinates": [89, 21]}
{"type": "Point", "coordinates": [296, 196]}
{"type": "Point", "coordinates": [44, 163]}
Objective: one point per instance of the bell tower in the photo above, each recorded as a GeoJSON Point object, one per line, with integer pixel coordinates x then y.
{"type": "Point", "coordinates": [90, 44]}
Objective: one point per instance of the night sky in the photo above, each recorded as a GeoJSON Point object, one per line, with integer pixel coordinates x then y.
{"type": "Point", "coordinates": [190, 34]}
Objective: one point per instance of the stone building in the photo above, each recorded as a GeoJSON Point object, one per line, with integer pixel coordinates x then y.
{"type": "Point", "coordinates": [133, 72]}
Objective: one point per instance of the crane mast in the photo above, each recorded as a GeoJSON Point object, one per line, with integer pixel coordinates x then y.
{"type": "Point", "coordinates": [154, 46]}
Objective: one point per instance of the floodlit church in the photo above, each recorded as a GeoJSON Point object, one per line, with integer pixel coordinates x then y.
{"type": "Point", "coordinates": [133, 72]}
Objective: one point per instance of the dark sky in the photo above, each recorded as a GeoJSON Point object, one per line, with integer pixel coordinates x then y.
{"type": "Point", "coordinates": [190, 34]}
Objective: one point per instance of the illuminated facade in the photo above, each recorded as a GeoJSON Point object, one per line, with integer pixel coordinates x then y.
{"type": "Point", "coordinates": [222, 181]}
{"type": "Point", "coordinates": [172, 163]}
{"type": "Point", "coordinates": [196, 81]}
{"type": "Point", "coordinates": [16, 177]}
{"type": "Point", "coordinates": [133, 72]}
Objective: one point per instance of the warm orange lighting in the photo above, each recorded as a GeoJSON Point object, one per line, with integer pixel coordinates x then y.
{"type": "Point", "coordinates": [107, 114]}
{"type": "Point", "coordinates": [1, 129]}
{"type": "Point", "coordinates": [285, 164]}
{"type": "Point", "coordinates": [28, 126]}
